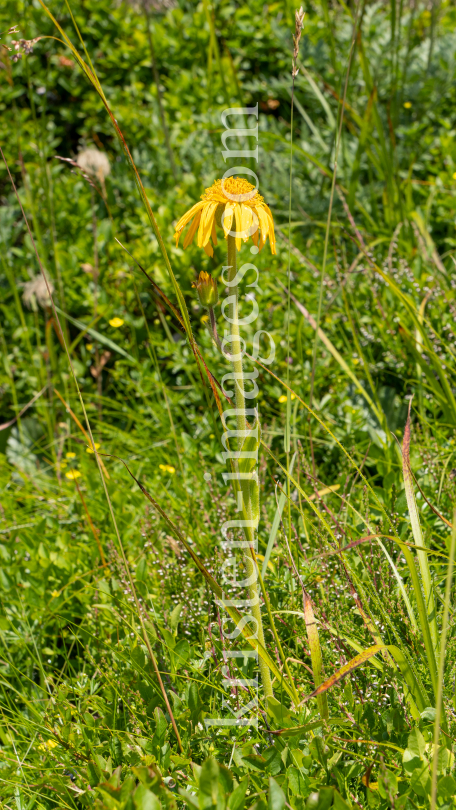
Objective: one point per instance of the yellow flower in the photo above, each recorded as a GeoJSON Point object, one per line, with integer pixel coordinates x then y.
{"type": "Point", "coordinates": [71, 455]}
{"type": "Point", "coordinates": [116, 322]}
{"type": "Point", "coordinates": [407, 105]}
{"type": "Point", "coordinates": [55, 594]}
{"type": "Point", "coordinates": [73, 474]}
{"type": "Point", "coordinates": [48, 745]}
{"type": "Point", "coordinates": [167, 468]}
{"type": "Point", "coordinates": [229, 202]}
{"type": "Point", "coordinates": [204, 318]}
{"type": "Point", "coordinates": [97, 447]}
{"type": "Point", "coordinates": [89, 347]}
{"type": "Point", "coordinates": [283, 398]}
{"type": "Point", "coordinates": [454, 176]}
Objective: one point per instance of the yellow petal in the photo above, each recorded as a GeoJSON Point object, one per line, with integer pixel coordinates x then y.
{"type": "Point", "coordinates": [246, 218]}
{"type": "Point", "coordinates": [264, 223]}
{"type": "Point", "coordinates": [205, 227]}
{"type": "Point", "coordinates": [192, 230]}
{"type": "Point", "coordinates": [202, 224]}
{"type": "Point", "coordinates": [188, 215]}
{"type": "Point", "coordinates": [238, 219]}
{"type": "Point", "coordinates": [213, 234]}
{"type": "Point", "coordinates": [227, 218]}
{"type": "Point", "coordinates": [208, 249]}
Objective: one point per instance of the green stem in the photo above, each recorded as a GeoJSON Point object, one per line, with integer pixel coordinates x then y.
{"type": "Point", "coordinates": [251, 564]}
{"type": "Point", "coordinates": [443, 639]}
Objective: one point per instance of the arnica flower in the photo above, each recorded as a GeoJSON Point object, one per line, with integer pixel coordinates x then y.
{"type": "Point", "coordinates": [206, 287]}
{"type": "Point", "coordinates": [97, 447]}
{"type": "Point", "coordinates": [116, 322]}
{"type": "Point", "coordinates": [229, 203]}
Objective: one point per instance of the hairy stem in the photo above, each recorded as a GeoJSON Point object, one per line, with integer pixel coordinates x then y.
{"type": "Point", "coordinates": [251, 563]}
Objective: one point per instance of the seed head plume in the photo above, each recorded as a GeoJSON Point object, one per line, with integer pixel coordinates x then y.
{"type": "Point", "coordinates": [299, 22]}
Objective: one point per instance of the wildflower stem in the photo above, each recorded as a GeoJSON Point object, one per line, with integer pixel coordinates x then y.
{"type": "Point", "coordinates": [251, 563]}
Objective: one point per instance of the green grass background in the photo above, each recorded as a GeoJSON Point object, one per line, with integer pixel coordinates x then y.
{"type": "Point", "coordinates": [83, 719]}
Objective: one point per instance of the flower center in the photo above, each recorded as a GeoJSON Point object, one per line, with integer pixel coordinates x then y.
{"type": "Point", "coordinates": [234, 189]}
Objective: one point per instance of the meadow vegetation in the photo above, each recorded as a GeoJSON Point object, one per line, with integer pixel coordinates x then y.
{"type": "Point", "coordinates": [112, 567]}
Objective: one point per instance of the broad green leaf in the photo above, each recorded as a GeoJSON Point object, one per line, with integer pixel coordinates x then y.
{"type": "Point", "coordinates": [277, 798]}
{"type": "Point", "coordinates": [237, 799]}
{"type": "Point", "coordinates": [144, 799]}
{"type": "Point", "coordinates": [208, 781]}
{"type": "Point", "coordinates": [416, 743]}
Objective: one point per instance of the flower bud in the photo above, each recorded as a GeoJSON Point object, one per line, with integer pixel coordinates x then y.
{"type": "Point", "coordinates": [206, 287]}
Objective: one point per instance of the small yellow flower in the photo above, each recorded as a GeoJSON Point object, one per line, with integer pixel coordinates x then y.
{"type": "Point", "coordinates": [204, 318]}
{"type": "Point", "coordinates": [167, 468]}
{"type": "Point", "coordinates": [48, 745]}
{"type": "Point", "coordinates": [454, 176]}
{"type": "Point", "coordinates": [73, 474]}
{"type": "Point", "coordinates": [89, 346]}
{"type": "Point", "coordinates": [55, 594]}
{"type": "Point", "coordinates": [407, 105]}
{"type": "Point", "coordinates": [70, 455]}
{"type": "Point", "coordinates": [116, 322]}
{"type": "Point", "coordinates": [63, 464]}
{"type": "Point", "coordinates": [283, 398]}
{"type": "Point", "coordinates": [211, 436]}
{"type": "Point", "coordinates": [230, 202]}
{"type": "Point", "coordinates": [97, 447]}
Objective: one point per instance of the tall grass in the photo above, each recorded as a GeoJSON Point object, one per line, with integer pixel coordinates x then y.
{"type": "Point", "coordinates": [102, 685]}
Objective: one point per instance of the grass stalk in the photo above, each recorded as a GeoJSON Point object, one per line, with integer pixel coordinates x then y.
{"type": "Point", "coordinates": [161, 108]}
{"type": "Point", "coordinates": [443, 639]}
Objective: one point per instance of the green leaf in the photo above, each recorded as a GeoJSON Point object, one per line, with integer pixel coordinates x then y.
{"type": "Point", "coordinates": [174, 617]}
{"type": "Point", "coordinates": [321, 799]}
{"type": "Point", "coordinates": [160, 723]}
{"type": "Point", "coordinates": [416, 743]}
{"type": "Point", "coordinates": [420, 780]}
{"type": "Point", "coordinates": [387, 784]}
{"type": "Point", "coordinates": [277, 799]}
{"type": "Point", "coordinates": [141, 570]}
{"type": "Point", "coordinates": [280, 713]}
{"type": "Point", "coordinates": [208, 781]}
{"type": "Point", "coordinates": [446, 787]}
{"type": "Point", "coordinates": [237, 799]}
{"type": "Point", "coordinates": [339, 803]}
{"type": "Point", "coordinates": [225, 779]}
{"type": "Point", "coordinates": [297, 782]}
{"type": "Point", "coordinates": [144, 799]}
